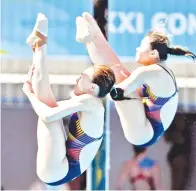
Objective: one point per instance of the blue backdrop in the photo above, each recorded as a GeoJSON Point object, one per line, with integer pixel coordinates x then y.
{"type": "Point", "coordinates": [130, 20]}
{"type": "Point", "coordinates": [18, 19]}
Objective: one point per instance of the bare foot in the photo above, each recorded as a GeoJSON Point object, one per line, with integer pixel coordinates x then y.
{"type": "Point", "coordinates": [38, 37]}
{"type": "Point", "coordinates": [92, 24]}
{"type": "Point", "coordinates": [87, 28]}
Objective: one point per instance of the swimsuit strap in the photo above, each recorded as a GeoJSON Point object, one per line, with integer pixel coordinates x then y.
{"type": "Point", "coordinates": [172, 76]}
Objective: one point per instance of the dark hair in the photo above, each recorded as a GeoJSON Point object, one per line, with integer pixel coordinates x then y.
{"type": "Point", "coordinates": [138, 150]}
{"type": "Point", "coordinates": [160, 42]}
{"type": "Point", "coordinates": [104, 77]}
{"type": "Point", "coordinates": [117, 94]}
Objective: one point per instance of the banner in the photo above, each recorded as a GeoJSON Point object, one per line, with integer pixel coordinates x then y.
{"type": "Point", "coordinates": [130, 21]}
{"type": "Point", "coordinates": [18, 19]}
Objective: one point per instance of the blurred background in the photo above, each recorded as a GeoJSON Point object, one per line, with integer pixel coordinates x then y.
{"type": "Point", "coordinates": [124, 23]}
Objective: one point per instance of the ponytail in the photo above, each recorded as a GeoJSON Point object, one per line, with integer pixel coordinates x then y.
{"type": "Point", "coordinates": [117, 94]}
{"type": "Point", "coordinates": [178, 51]}
{"type": "Point", "coordinates": [160, 42]}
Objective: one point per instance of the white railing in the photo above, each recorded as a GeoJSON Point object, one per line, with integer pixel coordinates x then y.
{"type": "Point", "coordinates": [182, 82]}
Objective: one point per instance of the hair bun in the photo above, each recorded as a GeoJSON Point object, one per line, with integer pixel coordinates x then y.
{"type": "Point", "coordinates": [117, 94]}
{"type": "Point", "coordinates": [114, 93]}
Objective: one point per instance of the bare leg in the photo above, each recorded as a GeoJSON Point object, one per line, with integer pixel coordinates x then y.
{"type": "Point", "coordinates": [98, 48]}
{"type": "Point", "coordinates": [51, 156]}
{"type": "Point", "coordinates": [40, 78]}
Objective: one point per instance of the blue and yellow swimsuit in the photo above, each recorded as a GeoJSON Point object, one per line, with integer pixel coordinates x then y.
{"type": "Point", "coordinates": [153, 105]}
{"type": "Point", "coordinates": [75, 142]}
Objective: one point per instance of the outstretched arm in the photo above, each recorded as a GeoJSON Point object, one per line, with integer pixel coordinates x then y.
{"type": "Point", "coordinates": [138, 77]}
{"type": "Point", "coordinates": [64, 108]}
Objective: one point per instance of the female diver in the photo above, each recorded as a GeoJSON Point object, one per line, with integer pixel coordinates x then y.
{"type": "Point", "coordinates": [60, 157]}
{"type": "Point", "coordinates": [146, 99]}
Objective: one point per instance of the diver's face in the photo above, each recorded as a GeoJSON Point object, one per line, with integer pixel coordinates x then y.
{"type": "Point", "coordinates": [143, 53]}
{"type": "Point", "coordinates": [84, 82]}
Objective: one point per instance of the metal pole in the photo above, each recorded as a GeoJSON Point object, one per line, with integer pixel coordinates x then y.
{"type": "Point", "coordinates": [98, 173]}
